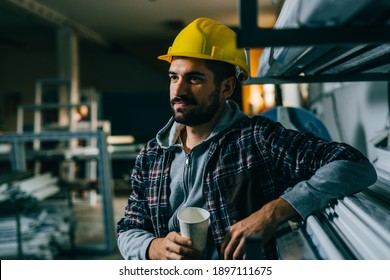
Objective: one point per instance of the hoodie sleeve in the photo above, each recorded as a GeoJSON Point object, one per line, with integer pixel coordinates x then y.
{"type": "Point", "coordinates": [135, 230]}
{"type": "Point", "coordinates": [134, 243]}
{"type": "Point", "coordinates": [332, 181]}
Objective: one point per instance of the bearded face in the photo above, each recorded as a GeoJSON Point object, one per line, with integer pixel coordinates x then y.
{"type": "Point", "coordinates": [195, 112]}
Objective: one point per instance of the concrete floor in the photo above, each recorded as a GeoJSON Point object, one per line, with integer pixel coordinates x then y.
{"type": "Point", "coordinates": [89, 228]}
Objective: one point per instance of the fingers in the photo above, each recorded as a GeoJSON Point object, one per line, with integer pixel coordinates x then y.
{"type": "Point", "coordinates": [232, 248]}
{"type": "Point", "coordinates": [224, 244]}
{"type": "Point", "coordinates": [173, 247]}
{"type": "Point", "coordinates": [240, 250]}
{"type": "Point", "coordinates": [179, 246]}
{"type": "Point", "coordinates": [176, 238]}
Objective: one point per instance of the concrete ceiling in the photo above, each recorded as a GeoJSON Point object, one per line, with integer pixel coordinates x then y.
{"type": "Point", "coordinates": [119, 21]}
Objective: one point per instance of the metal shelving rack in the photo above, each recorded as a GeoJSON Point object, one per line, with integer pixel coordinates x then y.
{"type": "Point", "coordinates": [250, 35]}
{"type": "Point", "coordinates": [17, 157]}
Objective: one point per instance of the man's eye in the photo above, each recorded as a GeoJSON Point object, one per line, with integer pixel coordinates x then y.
{"type": "Point", "coordinates": [173, 77]}
{"type": "Point", "coordinates": [195, 79]}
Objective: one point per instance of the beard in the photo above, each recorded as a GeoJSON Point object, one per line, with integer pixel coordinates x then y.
{"type": "Point", "coordinates": [200, 114]}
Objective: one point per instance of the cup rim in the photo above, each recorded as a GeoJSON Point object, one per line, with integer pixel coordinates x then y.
{"type": "Point", "coordinates": [204, 211]}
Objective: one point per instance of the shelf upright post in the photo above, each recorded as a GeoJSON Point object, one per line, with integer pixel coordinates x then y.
{"type": "Point", "coordinates": [248, 15]}
{"type": "Point", "coordinates": [37, 114]}
{"type": "Point", "coordinates": [91, 165]}
{"type": "Point", "coordinates": [388, 96]}
{"type": "Point", "coordinates": [105, 179]}
{"type": "Point", "coordinates": [388, 113]}
{"type": "Point", "coordinates": [18, 155]}
{"type": "Point", "coordinates": [19, 234]}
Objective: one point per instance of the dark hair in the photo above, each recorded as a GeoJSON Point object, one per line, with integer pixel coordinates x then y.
{"type": "Point", "coordinates": [223, 70]}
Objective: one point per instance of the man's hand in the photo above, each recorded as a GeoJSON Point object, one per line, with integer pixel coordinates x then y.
{"type": "Point", "coordinates": [172, 247]}
{"type": "Point", "coordinates": [262, 223]}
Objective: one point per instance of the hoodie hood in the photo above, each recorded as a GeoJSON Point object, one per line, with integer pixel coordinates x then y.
{"type": "Point", "coordinates": [169, 134]}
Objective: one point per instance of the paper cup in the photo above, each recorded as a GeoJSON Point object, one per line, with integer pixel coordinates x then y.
{"type": "Point", "coordinates": [194, 223]}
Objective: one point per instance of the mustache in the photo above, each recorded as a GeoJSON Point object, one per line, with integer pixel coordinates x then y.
{"type": "Point", "coordinates": [184, 99]}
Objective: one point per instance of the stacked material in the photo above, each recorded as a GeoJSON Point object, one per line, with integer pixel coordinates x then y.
{"type": "Point", "coordinates": [31, 225]}
{"type": "Point", "coordinates": [355, 227]}
{"type": "Point", "coordinates": [310, 60]}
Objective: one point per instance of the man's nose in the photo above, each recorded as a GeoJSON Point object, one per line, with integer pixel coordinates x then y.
{"type": "Point", "coordinates": [180, 87]}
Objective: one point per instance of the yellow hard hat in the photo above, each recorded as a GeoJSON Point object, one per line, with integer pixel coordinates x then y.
{"type": "Point", "coordinates": [208, 39]}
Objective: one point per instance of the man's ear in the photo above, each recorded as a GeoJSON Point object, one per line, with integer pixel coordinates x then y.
{"type": "Point", "coordinates": [227, 87]}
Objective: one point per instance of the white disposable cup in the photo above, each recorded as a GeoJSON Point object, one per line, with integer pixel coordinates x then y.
{"type": "Point", "coordinates": [194, 223]}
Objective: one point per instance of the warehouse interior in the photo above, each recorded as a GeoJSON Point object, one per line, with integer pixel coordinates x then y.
{"type": "Point", "coordinates": [82, 91]}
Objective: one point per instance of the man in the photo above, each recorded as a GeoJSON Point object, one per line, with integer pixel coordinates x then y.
{"type": "Point", "coordinates": [251, 174]}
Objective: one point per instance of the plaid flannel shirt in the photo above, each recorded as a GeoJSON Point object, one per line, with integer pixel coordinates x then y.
{"type": "Point", "coordinates": [248, 165]}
